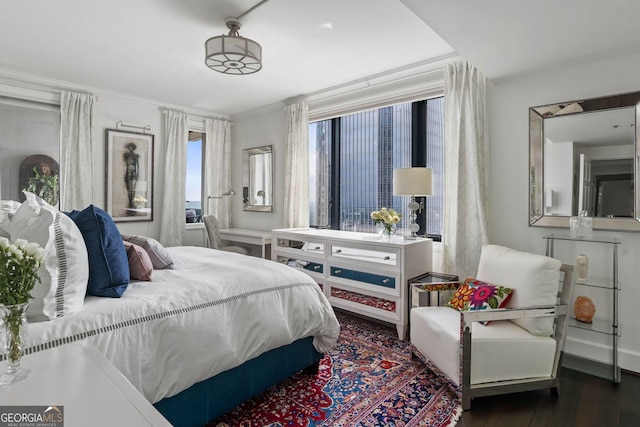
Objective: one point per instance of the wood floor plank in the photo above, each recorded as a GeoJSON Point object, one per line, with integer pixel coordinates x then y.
{"type": "Point", "coordinates": [585, 401]}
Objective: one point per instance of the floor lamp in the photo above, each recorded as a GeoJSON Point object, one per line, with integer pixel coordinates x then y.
{"type": "Point", "coordinates": [412, 182]}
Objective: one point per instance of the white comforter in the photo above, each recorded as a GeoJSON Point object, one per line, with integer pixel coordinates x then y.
{"type": "Point", "coordinates": [212, 312]}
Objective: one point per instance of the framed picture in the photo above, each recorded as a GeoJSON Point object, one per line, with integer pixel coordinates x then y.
{"type": "Point", "coordinates": [129, 180]}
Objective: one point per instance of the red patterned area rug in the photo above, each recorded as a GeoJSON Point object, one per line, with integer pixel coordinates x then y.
{"type": "Point", "coordinates": [369, 379]}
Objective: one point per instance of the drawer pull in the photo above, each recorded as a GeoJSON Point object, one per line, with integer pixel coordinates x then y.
{"type": "Point", "coordinates": [316, 267]}
{"type": "Point", "coordinates": [316, 248]}
{"type": "Point", "coordinates": [387, 258]}
{"type": "Point", "coordinates": [385, 281]}
{"type": "Point", "coordinates": [337, 271]}
{"type": "Point", "coordinates": [338, 251]}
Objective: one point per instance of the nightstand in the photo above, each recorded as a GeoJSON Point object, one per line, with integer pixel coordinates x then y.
{"type": "Point", "coordinates": [81, 379]}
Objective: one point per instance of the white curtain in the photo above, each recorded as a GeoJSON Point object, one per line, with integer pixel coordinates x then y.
{"type": "Point", "coordinates": [465, 207]}
{"type": "Point", "coordinates": [296, 182]}
{"type": "Point", "coordinates": [176, 134]}
{"type": "Point", "coordinates": [217, 169]}
{"type": "Point", "coordinates": [76, 150]}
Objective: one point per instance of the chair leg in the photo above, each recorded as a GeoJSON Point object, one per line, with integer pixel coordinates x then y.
{"type": "Point", "coordinates": [466, 402]}
{"type": "Point", "coordinates": [555, 393]}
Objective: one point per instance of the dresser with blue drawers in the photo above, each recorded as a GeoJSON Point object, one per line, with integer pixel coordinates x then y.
{"type": "Point", "coordinates": [357, 272]}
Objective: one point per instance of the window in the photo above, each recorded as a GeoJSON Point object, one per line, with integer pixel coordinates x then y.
{"type": "Point", "coordinates": [193, 190]}
{"type": "Point", "coordinates": [352, 159]}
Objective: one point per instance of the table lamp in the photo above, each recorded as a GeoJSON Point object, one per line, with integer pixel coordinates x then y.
{"type": "Point", "coordinates": [412, 182]}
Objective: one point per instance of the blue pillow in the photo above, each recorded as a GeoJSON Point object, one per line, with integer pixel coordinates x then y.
{"type": "Point", "coordinates": [108, 262]}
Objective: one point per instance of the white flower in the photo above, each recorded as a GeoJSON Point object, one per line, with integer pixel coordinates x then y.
{"type": "Point", "coordinates": [19, 264]}
{"type": "Point", "coordinates": [15, 251]}
{"type": "Point", "coordinates": [34, 250]}
{"type": "Point", "coordinates": [20, 243]}
{"type": "Point", "coordinates": [386, 216]}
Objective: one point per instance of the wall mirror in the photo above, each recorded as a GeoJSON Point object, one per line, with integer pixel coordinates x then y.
{"type": "Point", "coordinates": [583, 156]}
{"type": "Point", "coordinates": [257, 179]}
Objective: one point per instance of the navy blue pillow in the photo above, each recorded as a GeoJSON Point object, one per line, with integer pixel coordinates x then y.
{"type": "Point", "coordinates": [108, 262]}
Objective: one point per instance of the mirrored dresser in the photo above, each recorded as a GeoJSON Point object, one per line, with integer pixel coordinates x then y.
{"type": "Point", "coordinates": [357, 272]}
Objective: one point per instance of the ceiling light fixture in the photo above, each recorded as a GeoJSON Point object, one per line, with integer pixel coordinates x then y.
{"type": "Point", "coordinates": [234, 54]}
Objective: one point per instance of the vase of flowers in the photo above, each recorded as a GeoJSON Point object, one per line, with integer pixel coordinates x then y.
{"type": "Point", "coordinates": [386, 221]}
{"type": "Point", "coordinates": [140, 202]}
{"type": "Point", "coordinates": [19, 264]}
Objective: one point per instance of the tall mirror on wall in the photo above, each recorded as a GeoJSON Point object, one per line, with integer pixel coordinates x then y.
{"type": "Point", "coordinates": [257, 179]}
{"type": "Point", "coordinates": [583, 158]}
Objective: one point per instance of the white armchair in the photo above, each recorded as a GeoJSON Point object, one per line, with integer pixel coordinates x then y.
{"type": "Point", "coordinates": [521, 348]}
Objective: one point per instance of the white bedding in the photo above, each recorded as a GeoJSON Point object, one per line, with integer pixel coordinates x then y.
{"type": "Point", "coordinates": [212, 312]}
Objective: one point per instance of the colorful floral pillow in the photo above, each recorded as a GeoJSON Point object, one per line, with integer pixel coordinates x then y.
{"type": "Point", "coordinates": [478, 295]}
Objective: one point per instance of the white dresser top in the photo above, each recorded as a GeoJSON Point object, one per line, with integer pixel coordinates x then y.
{"type": "Point", "coordinates": [352, 236]}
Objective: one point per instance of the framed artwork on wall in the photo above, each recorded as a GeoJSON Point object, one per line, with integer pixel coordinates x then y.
{"type": "Point", "coordinates": [129, 180]}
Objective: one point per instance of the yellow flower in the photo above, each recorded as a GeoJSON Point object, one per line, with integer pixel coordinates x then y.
{"type": "Point", "coordinates": [461, 298]}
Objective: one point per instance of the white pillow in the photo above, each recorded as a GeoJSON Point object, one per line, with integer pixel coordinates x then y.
{"type": "Point", "coordinates": [535, 280]}
{"type": "Point", "coordinates": [65, 270]}
{"type": "Point", "coordinates": [8, 208]}
{"type": "Point", "coordinates": [160, 258]}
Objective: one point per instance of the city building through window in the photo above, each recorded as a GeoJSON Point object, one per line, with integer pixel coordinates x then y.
{"type": "Point", "coordinates": [193, 189]}
{"type": "Point", "coordinates": [352, 159]}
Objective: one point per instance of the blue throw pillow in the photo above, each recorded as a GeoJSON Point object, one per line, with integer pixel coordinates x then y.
{"type": "Point", "coordinates": [108, 262]}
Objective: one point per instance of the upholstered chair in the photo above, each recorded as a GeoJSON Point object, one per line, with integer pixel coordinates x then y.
{"type": "Point", "coordinates": [213, 232]}
{"type": "Point", "coordinates": [520, 347]}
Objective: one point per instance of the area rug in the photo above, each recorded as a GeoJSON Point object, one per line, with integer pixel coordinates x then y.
{"type": "Point", "coordinates": [369, 379]}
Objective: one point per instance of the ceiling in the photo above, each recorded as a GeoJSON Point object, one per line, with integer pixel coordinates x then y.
{"type": "Point", "coordinates": [154, 49]}
{"type": "Point", "coordinates": [604, 127]}
{"type": "Point", "coordinates": [504, 38]}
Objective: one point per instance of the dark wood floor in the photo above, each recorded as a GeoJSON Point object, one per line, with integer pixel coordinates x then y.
{"type": "Point", "coordinates": [584, 401]}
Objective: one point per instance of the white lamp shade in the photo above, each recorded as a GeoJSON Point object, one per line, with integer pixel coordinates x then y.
{"type": "Point", "coordinates": [233, 55]}
{"type": "Point", "coordinates": [412, 182]}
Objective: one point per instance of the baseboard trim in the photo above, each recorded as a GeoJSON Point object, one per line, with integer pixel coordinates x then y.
{"type": "Point", "coordinates": [588, 366]}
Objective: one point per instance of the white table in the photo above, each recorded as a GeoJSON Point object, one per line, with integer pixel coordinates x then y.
{"type": "Point", "coordinates": [253, 237]}
{"type": "Point", "coordinates": [81, 379]}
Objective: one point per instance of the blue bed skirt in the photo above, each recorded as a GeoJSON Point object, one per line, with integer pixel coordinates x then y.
{"type": "Point", "coordinates": [211, 398]}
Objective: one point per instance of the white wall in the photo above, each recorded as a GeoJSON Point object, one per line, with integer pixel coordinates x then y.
{"type": "Point", "coordinates": [508, 103]}
{"type": "Point", "coordinates": [108, 110]}
{"type": "Point", "coordinates": [255, 129]}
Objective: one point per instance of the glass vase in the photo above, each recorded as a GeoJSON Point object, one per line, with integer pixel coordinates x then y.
{"type": "Point", "coordinates": [13, 329]}
{"type": "Point", "coordinates": [385, 231]}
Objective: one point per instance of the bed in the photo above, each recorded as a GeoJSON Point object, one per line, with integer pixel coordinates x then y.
{"type": "Point", "coordinates": [207, 334]}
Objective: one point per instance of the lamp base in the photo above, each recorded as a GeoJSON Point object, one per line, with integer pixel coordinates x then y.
{"type": "Point", "coordinates": [413, 226]}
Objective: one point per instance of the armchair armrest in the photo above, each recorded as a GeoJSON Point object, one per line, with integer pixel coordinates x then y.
{"type": "Point", "coordinates": [468, 317]}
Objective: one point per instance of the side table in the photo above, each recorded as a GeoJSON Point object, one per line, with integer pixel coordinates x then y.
{"type": "Point", "coordinates": [426, 288]}
{"type": "Point", "coordinates": [90, 389]}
